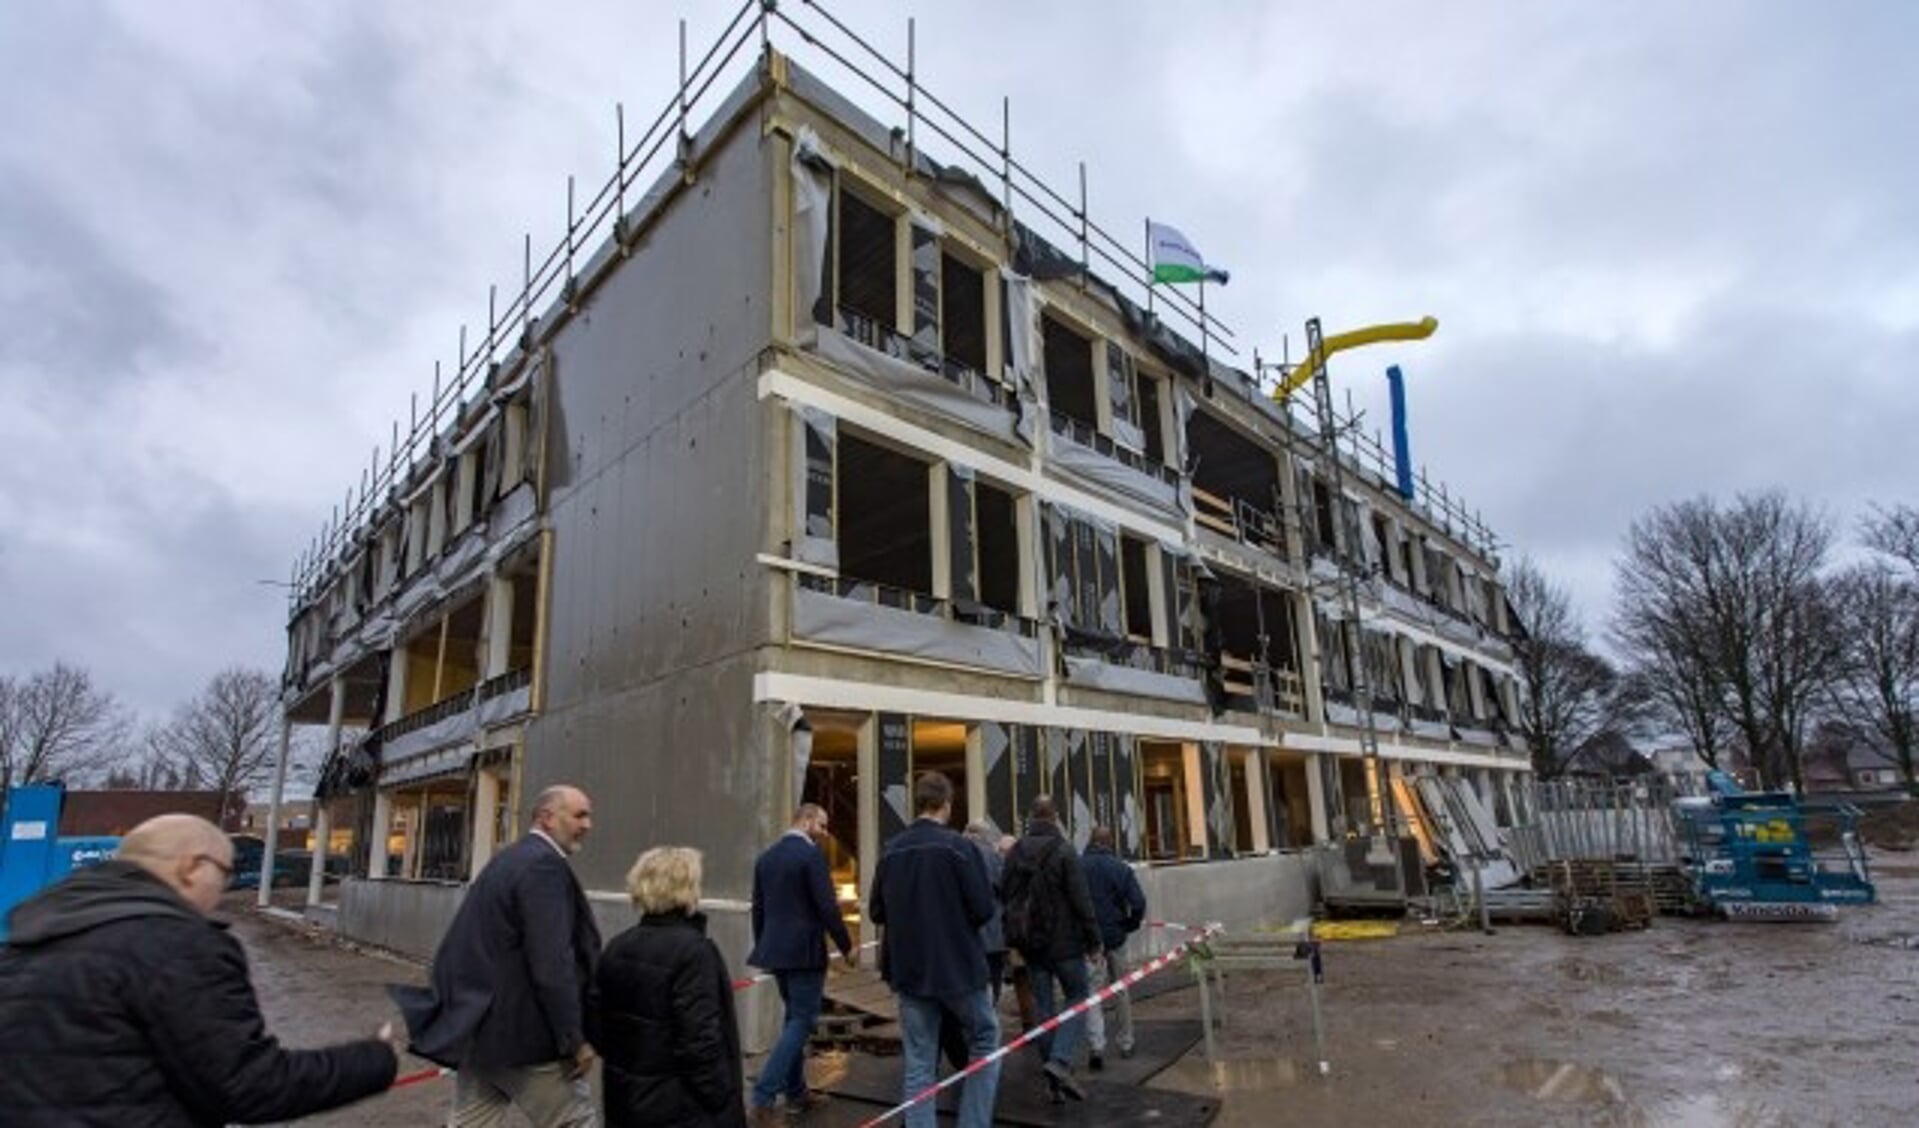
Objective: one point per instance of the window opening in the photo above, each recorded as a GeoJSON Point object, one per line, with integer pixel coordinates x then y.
{"type": "Point", "coordinates": [885, 518]}
{"type": "Point", "coordinates": [1139, 603]}
{"type": "Point", "coordinates": [998, 537]}
{"type": "Point", "coordinates": [868, 265]}
{"type": "Point", "coordinates": [963, 314]}
{"type": "Point", "coordinates": [1069, 375]}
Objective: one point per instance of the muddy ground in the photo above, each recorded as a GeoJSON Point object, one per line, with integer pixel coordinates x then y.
{"type": "Point", "coordinates": [1690, 1023]}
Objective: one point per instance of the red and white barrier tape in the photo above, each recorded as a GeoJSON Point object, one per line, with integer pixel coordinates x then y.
{"type": "Point", "coordinates": [1079, 1008]}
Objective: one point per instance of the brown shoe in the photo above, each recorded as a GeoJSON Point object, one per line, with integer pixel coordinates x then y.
{"type": "Point", "coordinates": [765, 1116]}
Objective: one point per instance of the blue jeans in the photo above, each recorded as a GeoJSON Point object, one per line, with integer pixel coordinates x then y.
{"type": "Point", "coordinates": [1063, 1043]}
{"type": "Point", "coordinates": [784, 1070]}
{"type": "Point", "coordinates": [920, 1025]}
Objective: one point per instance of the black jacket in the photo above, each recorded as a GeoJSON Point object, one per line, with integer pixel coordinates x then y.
{"type": "Point", "coordinates": [665, 1028]}
{"type": "Point", "coordinates": [513, 977]}
{"type": "Point", "coordinates": [1064, 924]}
{"type": "Point", "coordinates": [1119, 904]}
{"type": "Point", "coordinates": [931, 894]}
{"type": "Point", "coordinates": [123, 1006]}
{"type": "Point", "coordinates": [794, 908]}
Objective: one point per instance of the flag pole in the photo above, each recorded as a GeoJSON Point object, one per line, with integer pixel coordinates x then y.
{"type": "Point", "coordinates": [1202, 318]}
{"type": "Point", "coordinates": [1149, 263]}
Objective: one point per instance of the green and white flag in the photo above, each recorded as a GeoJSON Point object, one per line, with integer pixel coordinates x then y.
{"type": "Point", "coordinates": [1175, 259]}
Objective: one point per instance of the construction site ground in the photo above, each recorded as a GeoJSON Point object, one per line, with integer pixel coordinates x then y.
{"type": "Point", "coordinates": [1688, 1023]}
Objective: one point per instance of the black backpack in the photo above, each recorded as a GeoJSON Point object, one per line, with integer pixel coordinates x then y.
{"type": "Point", "coordinates": [1025, 920]}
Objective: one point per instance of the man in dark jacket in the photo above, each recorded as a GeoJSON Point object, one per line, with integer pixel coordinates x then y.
{"type": "Point", "coordinates": [794, 910]}
{"type": "Point", "coordinates": [1049, 918]}
{"type": "Point", "coordinates": [930, 894]}
{"type": "Point", "coordinates": [1119, 905]}
{"type": "Point", "coordinates": [513, 977]}
{"type": "Point", "coordinates": [122, 1004]}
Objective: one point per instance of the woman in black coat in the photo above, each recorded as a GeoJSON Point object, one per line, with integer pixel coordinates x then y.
{"type": "Point", "coordinates": [666, 1029]}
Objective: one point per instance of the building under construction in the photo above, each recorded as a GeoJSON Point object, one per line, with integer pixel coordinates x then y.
{"type": "Point", "coordinates": [826, 449]}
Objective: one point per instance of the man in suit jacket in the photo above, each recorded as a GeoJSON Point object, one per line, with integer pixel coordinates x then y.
{"type": "Point", "coordinates": [512, 980]}
{"type": "Point", "coordinates": [931, 894]}
{"type": "Point", "coordinates": [794, 910]}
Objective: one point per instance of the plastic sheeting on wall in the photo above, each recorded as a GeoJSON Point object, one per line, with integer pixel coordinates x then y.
{"type": "Point", "coordinates": [924, 261]}
{"type": "Point", "coordinates": [817, 436]}
{"type": "Point", "coordinates": [1094, 673]}
{"type": "Point", "coordinates": [812, 235]}
{"type": "Point", "coordinates": [1102, 781]}
{"type": "Point", "coordinates": [1029, 770]}
{"type": "Point", "coordinates": [997, 763]}
{"type": "Point", "coordinates": [961, 534]}
{"type": "Point", "coordinates": [1131, 828]}
{"type": "Point", "coordinates": [1107, 475]}
{"type": "Point", "coordinates": [863, 625]}
{"type": "Point", "coordinates": [894, 763]}
{"type": "Point", "coordinates": [1120, 375]}
{"type": "Point", "coordinates": [1217, 797]}
{"type": "Point", "coordinates": [927, 390]}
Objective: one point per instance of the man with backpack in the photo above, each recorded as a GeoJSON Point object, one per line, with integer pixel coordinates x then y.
{"type": "Point", "coordinates": [1049, 919]}
{"type": "Point", "coordinates": [1120, 906]}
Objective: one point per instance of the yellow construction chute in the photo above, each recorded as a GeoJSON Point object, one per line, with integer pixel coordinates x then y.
{"type": "Point", "coordinates": [1371, 335]}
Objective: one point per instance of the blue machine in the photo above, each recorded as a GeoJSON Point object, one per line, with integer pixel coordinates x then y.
{"type": "Point", "coordinates": [1762, 856]}
{"type": "Point", "coordinates": [32, 853]}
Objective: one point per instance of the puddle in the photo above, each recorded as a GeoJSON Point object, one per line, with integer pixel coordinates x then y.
{"type": "Point", "coordinates": [1706, 1110]}
{"type": "Point", "coordinates": [1562, 1082]}
{"type": "Point", "coordinates": [1909, 943]}
{"type": "Point", "coordinates": [1251, 1075]}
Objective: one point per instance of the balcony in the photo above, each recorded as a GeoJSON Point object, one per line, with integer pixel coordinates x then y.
{"type": "Point", "coordinates": [1124, 665]}
{"type": "Point", "coordinates": [860, 615]}
{"type": "Point", "coordinates": [1253, 685]}
{"type": "Point", "coordinates": [1240, 520]}
{"type": "Point", "coordinates": [897, 366]}
{"type": "Point", "coordinates": [426, 741]}
{"type": "Point", "coordinates": [1095, 459]}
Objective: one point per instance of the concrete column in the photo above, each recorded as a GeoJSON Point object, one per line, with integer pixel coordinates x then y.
{"type": "Point", "coordinates": [265, 896]}
{"type": "Point", "coordinates": [395, 684]}
{"type": "Point", "coordinates": [868, 805]}
{"type": "Point", "coordinates": [316, 857]}
{"type": "Point", "coordinates": [1316, 796]}
{"type": "Point", "coordinates": [376, 857]}
{"type": "Point", "coordinates": [322, 830]}
{"type": "Point", "coordinates": [499, 627]}
{"type": "Point", "coordinates": [486, 796]}
{"type": "Point", "coordinates": [1257, 792]}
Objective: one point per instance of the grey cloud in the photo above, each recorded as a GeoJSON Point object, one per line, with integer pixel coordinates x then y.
{"type": "Point", "coordinates": [79, 316]}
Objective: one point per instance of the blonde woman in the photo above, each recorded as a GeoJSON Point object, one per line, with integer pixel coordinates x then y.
{"type": "Point", "coordinates": [667, 1034]}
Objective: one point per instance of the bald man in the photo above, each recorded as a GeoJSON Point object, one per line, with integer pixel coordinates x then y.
{"type": "Point", "coordinates": [512, 979]}
{"type": "Point", "coordinates": [122, 1002]}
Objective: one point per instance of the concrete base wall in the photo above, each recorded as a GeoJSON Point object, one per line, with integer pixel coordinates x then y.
{"type": "Point", "coordinates": [408, 917]}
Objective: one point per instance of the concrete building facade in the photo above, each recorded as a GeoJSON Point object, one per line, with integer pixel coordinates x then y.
{"type": "Point", "coordinates": [822, 467]}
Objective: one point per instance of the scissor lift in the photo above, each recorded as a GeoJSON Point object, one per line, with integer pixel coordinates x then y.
{"type": "Point", "coordinates": [1751, 857]}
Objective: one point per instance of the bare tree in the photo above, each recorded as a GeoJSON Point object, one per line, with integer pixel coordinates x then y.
{"type": "Point", "coordinates": [1567, 686]}
{"type": "Point", "coordinates": [223, 738]}
{"type": "Point", "coordinates": [1878, 685]}
{"type": "Point", "coordinates": [1895, 532]}
{"type": "Point", "coordinates": [1725, 608]}
{"type": "Point", "coordinates": [56, 724]}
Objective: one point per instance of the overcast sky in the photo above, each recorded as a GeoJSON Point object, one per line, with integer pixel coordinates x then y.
{"type": "Point", "coordinates": [1673, 249]}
